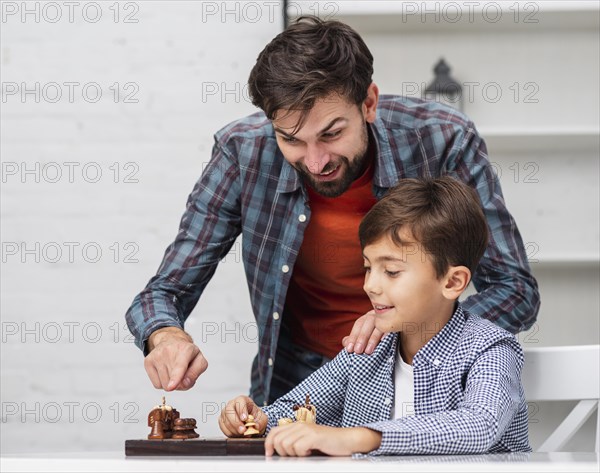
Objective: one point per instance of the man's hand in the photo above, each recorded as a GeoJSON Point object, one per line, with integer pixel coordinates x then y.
{"type": "Point", "coordinates": [233, 418]}
{"type": "Point", "coordinates": [300, 439]}
{"type": "Point", "coordinates": [174, 362]}
{"type": "Point", "coordinates": [363, 334]}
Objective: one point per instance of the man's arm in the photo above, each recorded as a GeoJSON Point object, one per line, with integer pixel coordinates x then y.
{"type": "Point", "coordinates": [492, 398]}
{"type": "Point", "coordinates": [507, 291]}
{"type": "Point", "coordinates": [207, 231]}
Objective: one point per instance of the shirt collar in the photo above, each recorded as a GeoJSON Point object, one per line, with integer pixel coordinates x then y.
{"type": "Point", "coordinates": [439, 349]}
{"type": "Point", "coordinates": [386, 172]}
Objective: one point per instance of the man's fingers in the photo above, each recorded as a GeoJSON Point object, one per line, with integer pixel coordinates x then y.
{"type": "Point", "coordinates": [351, 339]}
{"type": "Point", "coordinates": [163, 375]}
{"type": "Point", "coordinates": [374, 339]}
{"type": "Point", "coordinates": [152, 374]}
{"type": "Point", "coordinates": [365, 333]}
{"type": "Point", "coordinates": [194, 370]}
{"type": "Point", "coordinates": [176, 375]}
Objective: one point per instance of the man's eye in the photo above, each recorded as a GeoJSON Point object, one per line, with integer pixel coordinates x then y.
{"type": "Point", "coordinates": [331, 135]}
{"type": "Point", "coordinates": [289, 139]}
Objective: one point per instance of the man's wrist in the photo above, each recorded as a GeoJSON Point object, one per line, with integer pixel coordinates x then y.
{"type": "Point", "coordinates": [159, 335]}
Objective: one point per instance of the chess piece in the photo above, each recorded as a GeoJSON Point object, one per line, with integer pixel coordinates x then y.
{"type": "Point", "coordinates": [284, 421]}
{"type": "Point", "coordinates": [184, 429]}
{"type": "Point", "coordinates": [161, 419]}
{"type": "Point", "coordinates": [251, 427]}
{"type": "Point", "coordinates": [306, 413]}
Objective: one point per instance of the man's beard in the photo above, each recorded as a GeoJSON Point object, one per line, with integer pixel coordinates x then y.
{"type": "Point", "coordinates": [350, 171]}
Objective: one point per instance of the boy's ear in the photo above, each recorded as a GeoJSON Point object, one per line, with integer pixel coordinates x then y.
{"type": "Point", "coordinates": [456, 281]}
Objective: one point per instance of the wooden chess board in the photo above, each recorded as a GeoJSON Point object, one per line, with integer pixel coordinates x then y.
{"type": "Point", "coordinates": [196, 447]}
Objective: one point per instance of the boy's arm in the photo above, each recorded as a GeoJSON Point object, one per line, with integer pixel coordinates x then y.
{"type": "Point", "coordinates": [493, 394]}
{"type": "Point", "coordinates": [507, 291]}
{"type": "Point", "coordinates": [327, 390]}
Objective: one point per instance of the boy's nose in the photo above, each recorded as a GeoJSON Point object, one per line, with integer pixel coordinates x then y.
{"type": "Point", "coordinates": [371, 286]}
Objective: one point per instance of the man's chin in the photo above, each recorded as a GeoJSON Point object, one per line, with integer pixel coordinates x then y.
{"type": "Point", "coordinates": [333, 188]}
{"type": "Point", "coordinates": [329, 189]}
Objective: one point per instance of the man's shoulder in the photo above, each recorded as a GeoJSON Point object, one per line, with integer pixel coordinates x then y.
{"type": "Point", "coordinates": [398, 111]}
{"type": "Point", "coordinates": [249, 127]}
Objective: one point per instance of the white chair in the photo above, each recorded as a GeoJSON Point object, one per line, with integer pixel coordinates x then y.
{"type": "Point", "coordinates": [560, 374]}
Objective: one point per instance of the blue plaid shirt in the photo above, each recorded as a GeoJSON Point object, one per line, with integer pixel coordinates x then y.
{"type": "Point", "coordinates": [249, 187]}
{"type": "Point", "coordinates": [468, 396]}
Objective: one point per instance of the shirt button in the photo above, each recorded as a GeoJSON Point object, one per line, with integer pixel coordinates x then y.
{"type": "Point", "coordinates": [285, 268]}
{"type": "Point", "coordinates": [276, 315]}
{"type": "Point", "coordinates": [437, 362]}
{"type": "Point", "coordinates": [387, 401]}
{"type": "Point", "coordinates": [270, 361]}
{"type": "Point", "coordinates": [302, 217]}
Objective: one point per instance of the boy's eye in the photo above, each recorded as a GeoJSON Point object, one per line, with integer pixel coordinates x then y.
{"type": "Point", "coordinates": [392, 274]}
{"type": "Point", "coordinates": [367, 269]}
{"type": "Point", "coordinates": [289, 139]}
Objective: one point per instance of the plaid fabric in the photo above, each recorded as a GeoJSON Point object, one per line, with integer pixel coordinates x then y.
{"type": "Point", "coordinates": [468, 396]}
{"type": "Point", "coordinates": [248, 187]}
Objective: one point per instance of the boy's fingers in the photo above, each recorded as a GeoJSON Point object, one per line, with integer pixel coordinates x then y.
{"type": "Point", "coordinates": [241, 405]}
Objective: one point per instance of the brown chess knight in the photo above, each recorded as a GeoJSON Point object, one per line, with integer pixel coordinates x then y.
{"type": "Point", "coordinates": [166, 424]}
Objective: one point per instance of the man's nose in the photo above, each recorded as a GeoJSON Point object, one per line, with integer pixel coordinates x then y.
{"type": "Point", "coordinates": [317, 158]}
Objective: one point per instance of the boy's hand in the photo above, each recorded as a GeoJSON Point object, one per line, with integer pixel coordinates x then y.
{"type": "Point", "coordinates": [299, 439]}
{"type": "Point", "coordinates": [233, 418]}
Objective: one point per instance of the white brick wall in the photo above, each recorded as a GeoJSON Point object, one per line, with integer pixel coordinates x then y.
{"type": "Point", "coordinates": [67, 391]}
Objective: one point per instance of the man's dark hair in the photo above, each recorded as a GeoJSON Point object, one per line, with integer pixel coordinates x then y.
{"type": "Point", "coordinates": [309, 60]}
{"type": "Point", "coordinates": [443, 215]}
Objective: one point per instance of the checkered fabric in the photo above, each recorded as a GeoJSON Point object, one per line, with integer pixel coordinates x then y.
{"type": "Point", "coordinates": [468, 396]}
{"type": "Point", "coordinates": [249, 187]}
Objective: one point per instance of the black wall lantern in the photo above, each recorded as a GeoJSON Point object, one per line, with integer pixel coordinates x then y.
{"type": "Point", "coordinates": [445, 89]}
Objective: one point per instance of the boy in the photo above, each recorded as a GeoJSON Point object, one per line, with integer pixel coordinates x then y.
{"type": "Point", "coordinates": [421, 242]}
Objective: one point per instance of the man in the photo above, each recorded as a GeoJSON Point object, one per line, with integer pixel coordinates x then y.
{"type": "Point", "coordinates": [295, 180]}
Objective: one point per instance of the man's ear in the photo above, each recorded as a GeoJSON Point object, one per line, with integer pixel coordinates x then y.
{"type": "Point", "coordinates": [369, 106]}
{"type": "Point", "coordinates": [456, 281]}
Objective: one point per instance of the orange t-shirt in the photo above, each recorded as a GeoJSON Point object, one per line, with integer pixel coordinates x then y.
{"type": "Point", "coordinates": [325, 296]}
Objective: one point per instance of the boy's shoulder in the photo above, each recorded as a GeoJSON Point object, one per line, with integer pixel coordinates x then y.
{"type": "Point", "coordinates": [479, 334]}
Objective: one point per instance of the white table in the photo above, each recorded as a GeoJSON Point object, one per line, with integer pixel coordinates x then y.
{"type": "Point", "coordinates": [117, 462]}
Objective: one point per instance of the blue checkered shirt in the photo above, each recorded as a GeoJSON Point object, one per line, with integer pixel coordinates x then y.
{"type": "Point", "coordinates": [468, 396]}
{"type": "Point", "coordinates": [249, 187]}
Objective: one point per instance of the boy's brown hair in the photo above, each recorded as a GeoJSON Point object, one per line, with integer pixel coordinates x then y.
{"type": "Point", "coordinates": [309, 60]}
{"type": "Point", "coordinates": [443, 214]}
